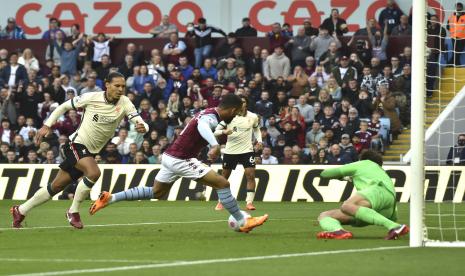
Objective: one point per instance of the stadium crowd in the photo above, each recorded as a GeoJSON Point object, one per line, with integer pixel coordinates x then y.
{"type": "Point", "coordinates": [320, 100]}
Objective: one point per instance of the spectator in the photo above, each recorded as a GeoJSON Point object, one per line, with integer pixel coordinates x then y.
{"type": "Point", "coordinates": [299, 82]}
{"type": "Point", "coordinates": [255, 62]}
{"type": "Point", "coordinates": [28, 101]}
{"type": "Point", "coordinates": [140, 80]}
{"type": "Point", "coordinates": [165, 29]}
{"type": "Point", "coordinates": [246, 30]}
{"type": "Point", "coordinates": [276, 36]}
{"type": "Point", "coordinates": [13, 74]}
{"type": "Point", "coordinates": [11, 157]}
{"type": "Point", "coordinates": [343, 73]}
{"type": "Point", "coordinates": [456, 27]}
{"type": "Point", "coordinates": [122, 142]}
{"type": "Point", "coordinates": [287, 30]}
{"type": "Point", "coordinates": [364, 135]}
{"type": "Point", "coordinates": [103, 67]}
{"type": "Point", "coordinates": [344, 127]}
{"type": "Point", "coordinates": [321, 157]}
{"type": "Point", "coordinates": [277, 65]}
{"type": "Point", "coordinates": [314, 88]}
{"type": "Point", "coordinates": [272, 129]}
{"type": "Point", "coordinates": [7, 104]}
{"type": "Point", "coordinates": [342, 107]}
{"type": "Point", "coordinates": [75, 31]}
{"type": "Point", "coordinates": [174, 49]}
{"type": "Point", "coordinates": [28, 127]}
{"type": "Point", "coordinates": [364, 31]}
{"type": "Point", "coordinates": [330, 58]}
{"type": "Point", "coordinates": [456, 155]}
{"type": "Point", "coordinates": [299, 46]}
{"type": "Point", "coordinates": [337, 157]}
{"type": "Point", "coordinates": [315, 134]}
{"type": "Point", "coordinates": [267, 158]}
{"type": "Point", "coordinates": [101, 47]}
{"type": "Point", "coordinates": [364, 104]}
{"type": "Point", "coordinates": [175, 84]}
{"type": "Point", "coordinates": [91, 86]}
{"type": "Point", "coordinates": [396, 69]}
{"type": "Point", "coordinates": [309, 66]}
{"type": "Point", "coordinates": [32, 158]}
{"type": "Point", "coordinates": [155, 158]}
{"type": "Point", "coordinates": [320, 44]}
{"type": "Point", "coordinates": [334, 90]}
{"type": "Point", "coordinates": [70, 124]}
{"type": "Point", "coordinates": [4, 147]}
{"type": "Point", "coordinates": [368, 81]}
{"type": "Point", "coordinates": [287, 156]}
{"type": "Point", "coordinates": [387, 103]}
{"type": "Point", "coordinates": [379, 44]}
{"type": "Point", "coordinates": [225, 50]}
{"type": "Point", "coordinates": [335, 24]}
{"type": "Point", "coordinates": [137, 55]}
{"type": "Point", "coordinates": [49, 158]}
{"type": "Point", "coordinates": [156, 68]}
{"type": "Point", "coordinates": [12, 31]}
{"type": "Point", "coordinates": [403, 28]}
{"type": "Point", "coordinates": [354, 121]}
{"type": "Point", "coordinates": [69, 56]}
{"type": "Point", "coordinates": [351, 91]}
{"type": "Point", "coordinates": [208, 70]}
{"type": "Point", "coordinates": [157, 123]}
{"type": "Point", "coordinates": [139, 159]}
{"type": "Point", "coordinates": [374, 126]}
{"type": "Point", "coordinates": [309, 30]}
{"type": "Point", "coordinates": [203, 40]}
{"type": "Point", "coordinates": [306, 110]}
{"type": "Point", "coordinates": [126, 68]}
{"type": "Point", "coordinates": [347, 148]}
{"type": "Point", "coordinates": [390, 16]}
{"type": "Point", "coordinates": [53, 29]}
{"type": "Point", "coordinates": [29, 61]}
{"type": "Point", "coordinates": [53, 49]}
{"type": "Point", "coordinates": [20, 148]}
{"type": "Point", "coordinates": [298, 125]}
{"type": "Point", "coordinates": [7, 135]}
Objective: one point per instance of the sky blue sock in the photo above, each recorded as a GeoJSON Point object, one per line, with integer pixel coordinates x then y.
{"type": "Point", "coordinates": [230, 203]}
{"type": "Point", "coordinates": [136, 193]}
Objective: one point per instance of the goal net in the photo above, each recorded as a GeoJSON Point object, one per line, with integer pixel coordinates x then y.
{"type": "Point", "coordinates": [438, 118]}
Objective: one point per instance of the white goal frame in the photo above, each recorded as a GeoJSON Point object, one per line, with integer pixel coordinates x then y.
{"type": "Point", "coordinates": [418, 235]}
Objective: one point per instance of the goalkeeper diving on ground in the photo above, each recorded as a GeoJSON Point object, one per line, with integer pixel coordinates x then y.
{"type": "Point", "coordinates": [373, 204]}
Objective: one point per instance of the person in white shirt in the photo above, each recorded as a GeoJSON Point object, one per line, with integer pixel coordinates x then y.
{"type": "Point", "coordinates": [122, 141]}
{"type": "Point", "coordinates": [103, 112]}
{"type": "Point", "coordinates": [28, 60]}
{"type": "Point", "coordinates": [101, 45]}
{"type": "Point", "coordinates": [28, 127]}
{"type": "Point", "coordinates": [240, 132]}
{"type": "Point", "coordinates": [267, 158]}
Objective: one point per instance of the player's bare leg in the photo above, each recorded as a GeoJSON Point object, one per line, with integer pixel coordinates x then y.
{"type": "Point", "coordinates": [91, 171]}
{"type": "Point", "coordinates": [250, 177]}
{"type": "Point", "coordinates": [331, 222]}
{"type": "Point", "coordinates": [42, 195]}
{"type": "Point", "coordinates": [226, 173]}
{"type": "Point", "coordinates": [360, 208]}
{"type": "Point", "coordinates": [222, 187]}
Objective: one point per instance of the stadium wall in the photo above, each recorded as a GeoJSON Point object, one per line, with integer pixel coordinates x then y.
{"type": "Point", "coordinates": [130, 18]}
{"type": "Point", "coordinates": [274, 182]}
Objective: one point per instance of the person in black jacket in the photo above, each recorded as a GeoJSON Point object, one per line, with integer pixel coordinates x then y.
{"type": "Point", "coordinates": [456, 155]}
{"type": "Point", "coordinates": [6, 78]}
{"type": "Point", "coordinates": [246, 30]}
{"type": "Point", "coordinates": [335, 24]}
{"type": "Point", "coordinates": [390, 16]}
{"type": "Point", "coordinates": [203, 40]}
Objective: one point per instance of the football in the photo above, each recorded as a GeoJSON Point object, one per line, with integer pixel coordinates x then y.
{"type": "Point", "coordinates": [234, 224]}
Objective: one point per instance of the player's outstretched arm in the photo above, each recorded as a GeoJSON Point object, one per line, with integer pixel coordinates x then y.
{"type": "Point", "coordinates": [337, 173]}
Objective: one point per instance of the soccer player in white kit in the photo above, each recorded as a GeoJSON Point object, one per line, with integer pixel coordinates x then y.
{"type": "Point", "coordinates": [239, 148]}
{"type": "Point", "coordinates": [103, 112]}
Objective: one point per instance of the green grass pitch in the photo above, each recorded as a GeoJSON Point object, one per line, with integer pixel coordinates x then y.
{"type": "Point", "coordinates": [190, 238]}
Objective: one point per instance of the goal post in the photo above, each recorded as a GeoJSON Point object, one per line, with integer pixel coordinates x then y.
{"type": "Point", "coordinates": [438, 221]}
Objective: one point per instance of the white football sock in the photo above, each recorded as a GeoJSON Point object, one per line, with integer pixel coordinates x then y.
{"type": "Point", "coordinates": [250, 197]}
{"type": "Point", "coordinates": [42, 195]}
{"type": "Point", "coordinates": [81, 194]}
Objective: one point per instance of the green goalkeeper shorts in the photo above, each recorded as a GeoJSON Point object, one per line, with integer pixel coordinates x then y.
{"type": "Point", "coordinates": [381, 200]}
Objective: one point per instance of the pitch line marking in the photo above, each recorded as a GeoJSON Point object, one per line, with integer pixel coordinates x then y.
{"type": "Point", "coordinates": [211, 261]}
{"type": "Point", "coordinates": [79, 260]}
{"type": "Point", "coordinates": [131, 224]}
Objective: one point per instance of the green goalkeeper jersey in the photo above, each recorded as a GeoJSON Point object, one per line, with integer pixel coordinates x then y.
{"type": "Point", "coordinates": [364, 174]}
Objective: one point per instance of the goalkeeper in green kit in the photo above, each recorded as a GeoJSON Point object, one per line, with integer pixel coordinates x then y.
{"type": "Point", "coordinates": [374, 203]}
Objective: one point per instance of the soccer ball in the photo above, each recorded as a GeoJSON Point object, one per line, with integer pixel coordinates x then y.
{"type": "Point", "coordinates": [234, 224]}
